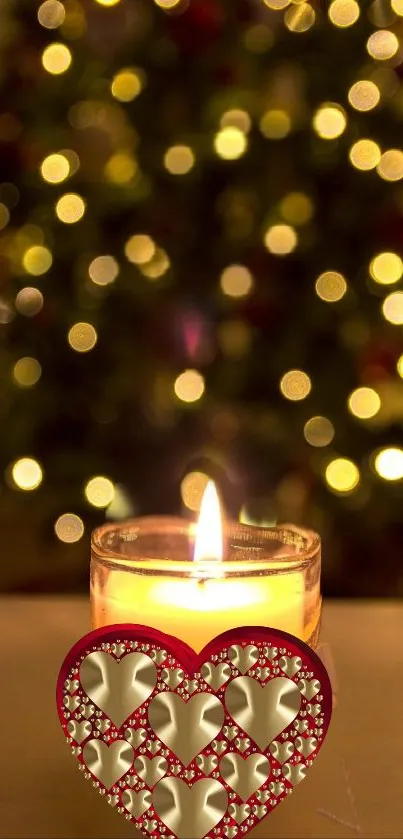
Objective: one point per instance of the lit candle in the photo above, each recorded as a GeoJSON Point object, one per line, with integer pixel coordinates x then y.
{"type": "Point", "coordinates": [212, 596]}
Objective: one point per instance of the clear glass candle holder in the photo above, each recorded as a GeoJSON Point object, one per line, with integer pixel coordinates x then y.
{"type": "Point", "coordinates": [142, 571]}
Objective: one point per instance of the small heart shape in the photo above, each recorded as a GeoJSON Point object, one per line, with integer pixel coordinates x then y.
{"type": "Point", "coordinates": [245, 776]}
{"type": "Point", "coordinates": [309, 689]}
{"type": "Point", "coordinates": [118, 687]}
{"type": "Point", "coordinates": [151, 770]}
{"type": "Point", "coordinates": [239, 812]}
{"type": "Point", "coordinates": [216, 675]}
{"type": "Point", "coordinates": [173, 678]}
{"type": "Point", "coordinates": [186, 727]}
{"type": "Point", "coordinates": [282, 751]}
{"type": "Point", "coordinates": [190, 811]}
{"type": "Point", "coordinates": [294, 774]}
{"type": "Point", "coordinates": [243, 658]}
{"type": "Point", "coordinates": [135, 736]}
{"type": "Point", "coordinates": [71, 685]}
{"type": "Point", "coordinates": [137, 803]}
{"type": "Point", "coordinates": [108, 763]}
{"type": "Point", "coordinates": [263, 711]}
{"type": "Point", "coordinates": [276, 788]}
{"type": "Point", "coordinates": [290, 666]}
{"type": "Point", "coordinates": [306, 745]}
{"type": "Point", "coordinates": [207, 764]}
{"type": "Point", "coordinates": [242, 744]}
{"type": "Point", "coordinates": [79, 731]}
{"type": "Point", "coordinates": [313, 710]}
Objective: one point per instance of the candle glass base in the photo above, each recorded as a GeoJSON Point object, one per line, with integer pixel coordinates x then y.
{"type": "Point", "coordinates": [143, 572]}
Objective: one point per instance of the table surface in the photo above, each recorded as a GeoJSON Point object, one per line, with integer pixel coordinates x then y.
{"type": "Point", "coordinates": [355, 788]}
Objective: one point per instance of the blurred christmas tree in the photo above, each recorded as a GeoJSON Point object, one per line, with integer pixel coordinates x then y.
{"type": "Point", "coordinates": [202, 213]}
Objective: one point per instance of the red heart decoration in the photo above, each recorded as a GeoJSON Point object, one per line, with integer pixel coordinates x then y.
{"type": "Point", "coordinates": [193, 746]}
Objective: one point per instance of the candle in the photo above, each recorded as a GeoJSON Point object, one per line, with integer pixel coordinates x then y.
{"type": "Point", "coordinates": [197, 600]}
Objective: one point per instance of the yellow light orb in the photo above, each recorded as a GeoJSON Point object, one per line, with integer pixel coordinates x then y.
{"type": "Point", "coordinates": [319, 432]}
{"type": "Point", "coordinates": [189, 386]}
{"type": "Point", "coordinates": [127, 84]}
{"type": "Point", "coordinates": [236, 281]}
{"type": "Point", "coordinates": [167, 4]}
{"type": "Point", "coordinates": [27, 372]}
{"type": "Point", "coordinates": [103, 270]}
{"type": "Point", "coordinates": [70, 208]}
{"type": "Point", "coordinates": [55, 168]}
{"type": "Point", "coordinates": [364, 95]}
{"type": "Point", "coordinates": [179, 160]}
{"type": "Point", "coordinates": [99, 491]}
{"type": "Point", "coordinates": [275, 124]}
{"type": "Point", "coordinates": [4, 216]}
{"type": "Point", "coordinates": [281, 239]}
{"type": "Point", "coordinates": [389, 464]}
{"type": "Point", "coordinates": [192, 490]}
{"type": "Point", "coordinates": [331, 286]}
{"type": "Point", "coordinates": [69, 528]}
{"type": "Point", "coordinates": [37, 260]}
{"type": "Point", "coordinates": [258, 38]}
{"type": "Point", "coordinates": [392, 308]}
{"type": "Point", "coordinates": [230, 143]}
{"type": "Point", "coordinates": [56, 59]}
{"type": "Point", "coordinates": [82, 337]}
{"type": "Point", "coordinates": [51, 14]}
{"type": "Point", "coordinates": [277, 5]}
{"type": "Point", "coordinates": [236, 118]}
{"type": "Point", "coordinates": [342, 475]}
{"type": "Point", "coordinates": [382, 45]}
{"type": "Point", "coordinates": [27, 474]}
{"type": "Point", "coordinates": [295, 385]}
{"type": "Point", "coordinates": [157, 266]}
{"type": "Point", "coordinates": [397, 6]}
{"type": "Point", "coordinates": [365, 155]}
{"type": "Point", "coordinates": [297, 208]}
{"type": "Point", "coordinates": [107, 3]}
{"type": "Point", "coordinates": [399, 366]}
{"type": "Point", "coordinates": [29, 302]}
{"type": "Point", "coordinates": [140, 249]}
{"type": "Point", "coordinates": [390, 166]}
{"type": "Point", "coordinates": [386, 268]}
{"type": "Point", "coordinates": [121, 168]}
{"type": "Point", "coordinates": [299, 18]}
{"type": "Point", "coordinates": [364, 403]}
{"type": "Point", "coordinates": [344, 13]}
{"type": "Point", "coordinates": [329, 121]}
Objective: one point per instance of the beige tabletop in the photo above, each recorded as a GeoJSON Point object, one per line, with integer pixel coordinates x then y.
{"type": "Point", "coordinates": [355, 788]}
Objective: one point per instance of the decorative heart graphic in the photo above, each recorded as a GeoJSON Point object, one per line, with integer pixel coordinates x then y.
{"type": "Point", "coordinates": [193, 746]}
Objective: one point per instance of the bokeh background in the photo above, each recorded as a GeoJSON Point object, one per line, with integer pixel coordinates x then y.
{"type": "Point", "coordinates": [201, 207]}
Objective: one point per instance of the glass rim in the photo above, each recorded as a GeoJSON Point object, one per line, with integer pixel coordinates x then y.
{"type": "Point", "coordinates": [307, 542]}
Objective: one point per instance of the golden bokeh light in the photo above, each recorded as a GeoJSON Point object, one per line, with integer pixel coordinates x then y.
{"type": "Point", "coordinates": [399, 366]}
{"type": "Point", "coordinates": [37, 260]}
{"type": "Point", "coordinates": [342, 475]}
{"type": "Point", "coordinates": [121, 168]}
{"type": "Point", "coordinates": [365, 155]}
{"type": "Point", "coordinates": [179, 160]}
{"type": "Point", "coordinates": [56, 59]}
{"type": "Point", "coordinates": [389, 464]}
{"type": "Point", "coordinates": [277, 5]}
{"type": "Point", "coordinates": [70, 208]}
{"type": "Point", "coordinates": [364, 403]}
{"type": "Point", "coordinates": [364, 95]}
{"type": "Point", "coordinates": [103, 270]}
{"type": "Point", "coordinates": [236, 118]}
{"type": "Point", "coordinates": [127, 84]}
{"type": "Point", "coordinates": [189, 386]}
{"type": "Point", "coordinates": [331, 286]}
{"type": "Point", "coordinates": [297, 208]}
{"type": "Point", "coordinates": [344, 13]}
{"type": "Point", "coordinates": [27, 474]}
{"type": "Point", "coordinates": [55, 168]}
{"type": "Point", "coordinates": [295, 385]}
{"type": "Point", "coordinates": [51, 14]}
{"type": "Point", "coordinates": [382, 45]}
{"type": "Point", "coordinates": [29, 301]}
{"type": "Point", "coordinates": [386, 268]}
{"type": "Point", "coordinates": [281, 239]}
{"type": "Point", "coordinates": [392, 308]}
{"type": "Point", "coordinates": [329, 121]}
{"type": "Point", "coordinates": [82, 337]}
{"type": "Point", "coordinates": [69, 528]}
{"type": "Point", "coordinates": [4, 216]}
{"type": "Point", "coordinates": [192, 490]}
{"type": "Point", "coordinates": [27, 372]}
{"type": "Point", "coordinates": [107, 3]}
{"type": "Point", "coordinates": [300, 17]}
{"type": "Point", "coordinates": [397, 6]}
{"type": "Point", "coordinates": [167, 4]}
{"type": "Point", "coordinates": [140, 249]}
{"type": "Point", "coordinates": [258, 38]}
{"type": "Point", "coordinates": [230, 143]}
{"type": "Point", "coordinates": [157, 266]}
{"type": "Point", "coordinates": [275, 124]}
{"type": "Point", "coordinates": [390, 166]}
{"type": "Point", "coordinates": [99, 491]}
{"type": "Point", "coordinates": [319, 432]}
{"type": "Point", "coordinates": [236, 281]}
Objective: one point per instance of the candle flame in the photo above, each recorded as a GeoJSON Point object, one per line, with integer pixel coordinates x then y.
{"type": "Point", "coordinates": [209, 544]}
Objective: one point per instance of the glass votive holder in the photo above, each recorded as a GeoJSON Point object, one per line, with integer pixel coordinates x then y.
{"type": "Point", "coordinates": [143, 572]}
